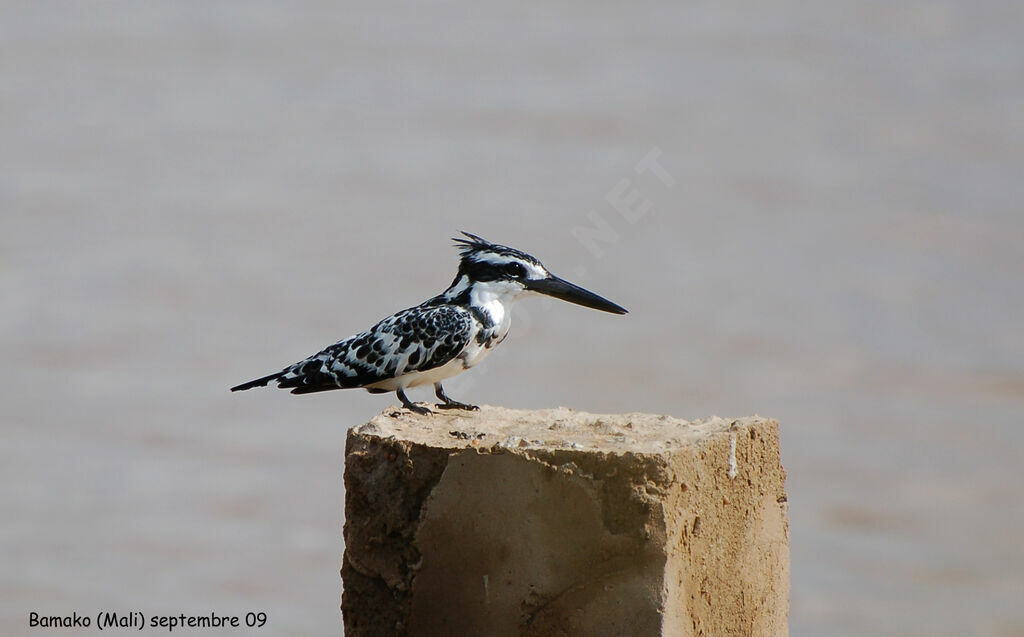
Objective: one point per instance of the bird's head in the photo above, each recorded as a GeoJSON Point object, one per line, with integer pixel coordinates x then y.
{"type": "Point", "coordinates": [506, 273]}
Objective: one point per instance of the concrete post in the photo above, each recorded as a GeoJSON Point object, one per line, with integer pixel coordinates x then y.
{"type": "Point", "coordinates": [557, 522]}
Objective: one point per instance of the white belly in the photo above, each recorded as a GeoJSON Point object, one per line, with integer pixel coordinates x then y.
{"type": "Point", "coordinates": [431, 376]}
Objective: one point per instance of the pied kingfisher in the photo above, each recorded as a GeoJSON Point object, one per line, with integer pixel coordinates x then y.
{"type": "Point", "coordinates": [440, 337]}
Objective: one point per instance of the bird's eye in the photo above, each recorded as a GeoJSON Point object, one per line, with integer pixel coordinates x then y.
{"type": "Point", "coordinates": [515, 269]}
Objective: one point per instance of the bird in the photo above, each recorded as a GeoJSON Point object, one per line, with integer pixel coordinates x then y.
{"type": "Point", "coordinates": [439, 338]}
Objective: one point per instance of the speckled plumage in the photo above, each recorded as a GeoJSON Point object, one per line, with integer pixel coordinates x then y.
{"type": "Point", "coordinates": [437, 339]}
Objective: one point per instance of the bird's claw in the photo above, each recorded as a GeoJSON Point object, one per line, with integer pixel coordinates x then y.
{"type": "Point", "coordinates": [416, 409]}
{"type": "Point", "coordinates": [455, 405]}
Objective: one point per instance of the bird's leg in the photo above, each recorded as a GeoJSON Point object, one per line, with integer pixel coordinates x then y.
{"type": "Point", "coordinates": [411, 406]}
{"type": "Point", "coordinates": [448, 402]}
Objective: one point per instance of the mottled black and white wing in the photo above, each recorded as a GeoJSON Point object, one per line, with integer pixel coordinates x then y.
{"type": "Point", "coordinates": [413, 340]}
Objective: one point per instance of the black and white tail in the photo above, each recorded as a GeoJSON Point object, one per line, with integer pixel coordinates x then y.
{"type": "Point", "coordinates": [259, 382]}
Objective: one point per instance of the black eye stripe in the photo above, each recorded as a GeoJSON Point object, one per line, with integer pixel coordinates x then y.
{"type": "Point", "coordinates": [490, 271]}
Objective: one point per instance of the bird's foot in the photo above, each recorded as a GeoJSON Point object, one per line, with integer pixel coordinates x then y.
{"type": "Point", "coordinates": [411, 406]}
{"type": "Point", "coordinates": [416, 409]}
{"type": "Point", "coordinates": [448, 402]}
{"type": "Point", "coordinates": [452, 404]}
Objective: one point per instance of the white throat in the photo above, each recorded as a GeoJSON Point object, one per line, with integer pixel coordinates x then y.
{"type": "Point", "coordinates": [495, 299]}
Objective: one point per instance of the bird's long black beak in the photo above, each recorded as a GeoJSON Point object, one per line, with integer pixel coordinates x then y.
{"type": "Point", "coordinates": [562, 289]}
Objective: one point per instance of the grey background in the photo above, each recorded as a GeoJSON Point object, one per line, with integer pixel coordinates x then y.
{"type": "Point", "coordinates": [194, 194]}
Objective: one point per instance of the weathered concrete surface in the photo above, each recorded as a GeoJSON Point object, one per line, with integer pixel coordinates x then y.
{"type": "Point", "coordinates": [556, 522]}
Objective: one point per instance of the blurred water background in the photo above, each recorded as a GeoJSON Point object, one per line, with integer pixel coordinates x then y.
{"type": "Point", "coordinates": [193, 194]}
